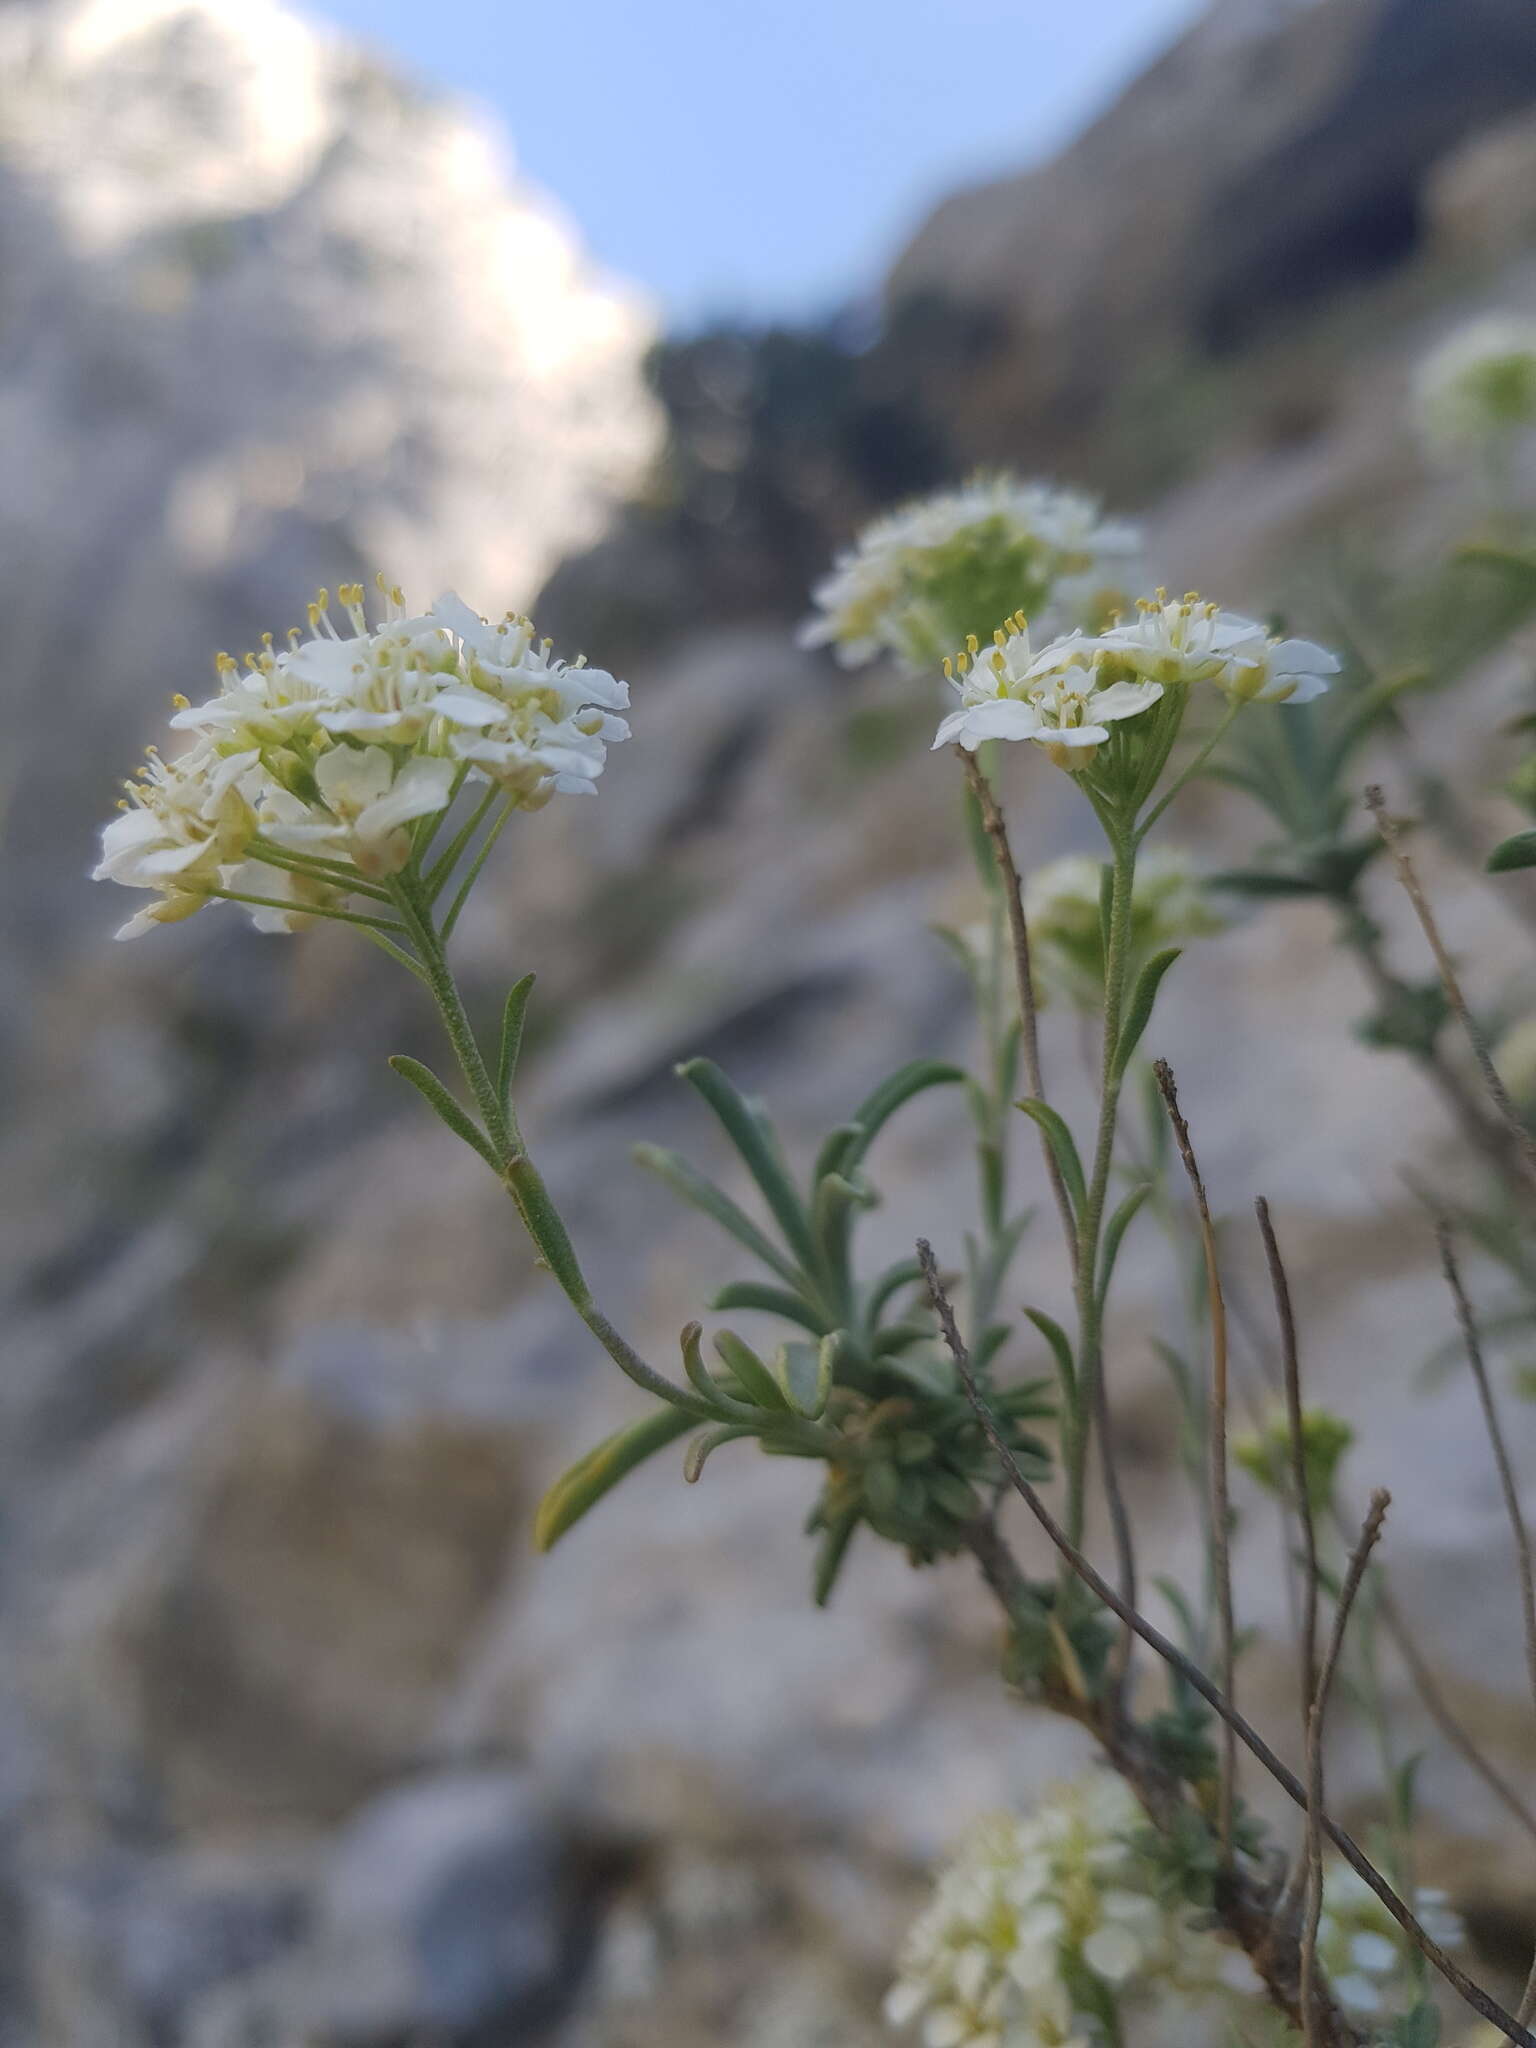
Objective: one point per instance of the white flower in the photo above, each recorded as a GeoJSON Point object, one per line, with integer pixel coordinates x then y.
{"type": "Point", "coordinates": [1362, 1947]}
{"type": "Point", "coordinates": [1185, 641]}
{"type": "Point", "coordinates": [181, 820]}
{"type": "Point", "coordinates": [311, 764]}
{"type": "Point", "coordinates": [921, 578]}
{"type": "Point", "coordinates": [1008, 692]}
{"type": "Point", "coordinates": [1478, 387]}
{"type": "Point", "coordinates": [1029, 1909]}
{"type": "Point", "coordinates": [367, 798]}
{"type": "Point", "coordinates": [537, 725]}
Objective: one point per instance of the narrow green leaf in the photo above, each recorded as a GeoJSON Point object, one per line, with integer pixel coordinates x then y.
{"type": "Point", "coordinates": [830, 1553]}
{"type": "Point", "coordinates": [701, 1447]}
{"type": "Point", "coordinates": [771, 1301]}
{"type": "Point", "coordinates": [905, 1273]}
{"type": "Point", "coordinates": [1516, 852]}
{"type": "Point", "coordinates": [803, 1374]}
{"type": "Point", "coordinates": [835, 1149]}
{"type": "Point", "coordinates": [687, 1182]}
{"type": "Point", "coordinates": [759, 1156]}
{"type": "Point", "coordinates": [899, 1337]}
{"type": "Point", "coordinates": [898, 1089]}
{"type": "Point", "coordinates": [458, 1120]}
{"type": "Point", "coordinates": [602, 1468]}
{"type": "Point", "coordinates": [1063, 1149]}
{"type": "Point", "coordinates": [1114, 1231]}
{"type": "Point", "coordinates": [1138, 1012]}
{"type": "Point", "coordinates": [750, 1373]}
{"type": "Point", "coordinates": [700, 1377]}
{"type": "Point", "coordinates": [953, 1494]}
{"type": "Point", "coordinates": [546, 1227]}
{"type": "Point", "coordinates": [1264, 882]}
{"type": "Point", "coordinates": [1061, 1346]}
{"type": "Point", "coordinates": [988, 1344]}
{"type": "Point", "coordinates": [512, 1038]}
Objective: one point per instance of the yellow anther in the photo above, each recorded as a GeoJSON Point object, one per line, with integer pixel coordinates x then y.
{"type": "Point", "coordinates": [1191, 597]}
{"type": "Point", "coordinates": [322, 599]}
{"type": "Point", "coordinates": [949, 669]}
{"type": "Point", "coordinates": [179, 702]}
{"type": "Point", "coordinates": [971, 643]}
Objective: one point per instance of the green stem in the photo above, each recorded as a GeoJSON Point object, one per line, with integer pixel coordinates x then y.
{"type": "Point", "coordinates": [1190, 769]}
{"type": "Point", "coordinates": [518, 1174]}
{"type": "Point", "coordinates": [462, 896]}
{"type": "Point", "coordinates": [437, 875]}
{"type": "Point", "coordinates": [376, 924]}
{"type": "Point", "coordinates": [416, 914]}
{"type": "Point", "coordinates": [335, 874]}
{"type": "Point", "coordinates": [1123, 842]}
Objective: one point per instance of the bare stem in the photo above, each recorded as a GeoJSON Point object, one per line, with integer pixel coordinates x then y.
{"type": "Point", "coordinates": [1216, 1454]}
{"type": "Point", "coordinates": [1497, 1093]}
{"type": "Point", "coordinates": [996, 828]}
{"type": "Point", "coordinates": [1257, 1940]}
{"type": "Point", "coordinates": [1507, 1486]}
{"type": "Point", "coordinates": [1359, 1558]}
{"type": "Point", "coordinates": [1291, 1367]}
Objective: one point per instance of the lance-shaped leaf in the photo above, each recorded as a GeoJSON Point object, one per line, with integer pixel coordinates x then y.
{"type": "Point", "coordinates": [1138, 1011]}
{"type": "Point", "coordinates": [458, 1119]}
{"type": "Point", "coordinates": [546, 1227]}
{"type": "Point", "coordinates": [750, 1374]}
{"type": "Point", "coordinates": [830, 1553]}
{"type": "Point", "coordinates": [837, 1145]}
{"type": "Point", "coordinates": [712, 1439]}
{"type": "Point", "coordinates": [692, 1186]}
{"type": "Point", "coordinates": [1114, 1233]}
{"type": "Point", "coordinates": [511, 1038]}
{"type": "Point", "coordinates": [882, 1103]}
{"type": "Point", "coordinates": [602, 1468]}
{"type": "Point", "coordinates": [1061, 1348]}
{"type": "Point", "coordinates": [771, 1301]}
{"type": "Point", "coordinates": [703, 1381]}
{"type": "Point", "coordinates": [804, 1374]}
{"type": "Point", "coordinates": [759, 1156]}
{"type": "Point", "coordinates": [1518, 851]}
{"type": "Point", "coordinates": [905, 1273]}
{"type": "Point", "coordinates": [1063, 1149]}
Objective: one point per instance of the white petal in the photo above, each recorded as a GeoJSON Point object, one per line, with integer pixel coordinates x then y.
{"type": "Point", "coordinates": [351, 778]}
{"type": "Point", "coordinates": [1114, 1952]}
{"type": "Point", "coordinates": [1124, 700]}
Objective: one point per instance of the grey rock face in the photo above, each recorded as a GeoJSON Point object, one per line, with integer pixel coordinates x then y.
{"type": "Point", "coordinates": [272, 316]}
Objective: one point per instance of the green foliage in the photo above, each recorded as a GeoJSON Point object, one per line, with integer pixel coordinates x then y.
{"type": "Point", "coordinates": [1516, 852]}
{"type": "Point", "coordinates": [1265, 1454]}
{"type": "Point", "coordinates": [876, 1399]}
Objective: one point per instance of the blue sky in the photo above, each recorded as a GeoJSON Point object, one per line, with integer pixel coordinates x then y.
{"type": "Point", "coordinates": [767, 157]}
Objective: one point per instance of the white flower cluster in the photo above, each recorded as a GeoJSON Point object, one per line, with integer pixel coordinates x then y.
{"type": "Point", "coordinates": [920, 579]}
{"type": "Point", "coordinates": [1042, 1925]}
{"type": "Point", "coordinates": [1479, 386]}
{"type": "Point", "coordinates": [1062, 906]}
{"type": "Point", "coordinates": [1067, 696]}
{"type": "Point", "coordinates": [308, 771]}
{"type": "Point", "coordinates": [1362, 1948]}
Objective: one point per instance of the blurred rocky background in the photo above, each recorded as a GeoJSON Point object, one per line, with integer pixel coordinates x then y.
{"type": "Point", "coordinates": [299, 1743]}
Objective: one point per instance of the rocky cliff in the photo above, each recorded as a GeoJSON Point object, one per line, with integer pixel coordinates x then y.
{"type": "Point", "coordinates": [297, 1740]}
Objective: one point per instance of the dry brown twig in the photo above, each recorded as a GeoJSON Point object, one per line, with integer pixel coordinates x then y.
{"type": "Point", "coordinates": [1317, 1710]}
{"type": "Point", "coordinates": [996, 828]}
{"type": "Point", "coordinates": [1507, 1486]}
{"type": "Point", "coordinates": [1523, 1144]}
{"type": "Point", "coordinates": [1245, 1914]}
{"type": "Point", "coordinates": [1220, 1507]}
